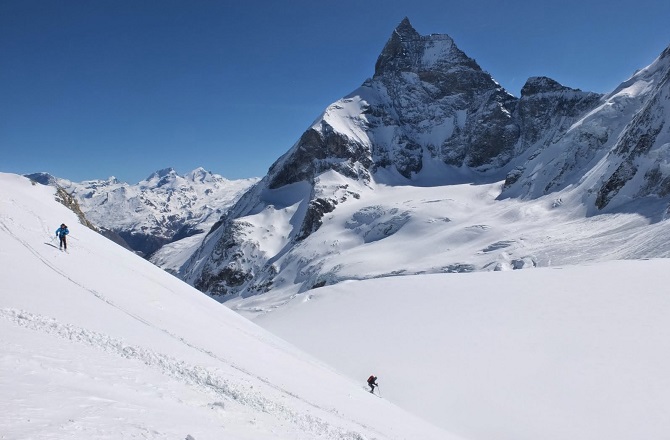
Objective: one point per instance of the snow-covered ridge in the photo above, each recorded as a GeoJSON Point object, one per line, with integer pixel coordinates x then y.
{"type": "Point", "coordinates": [613, 155]}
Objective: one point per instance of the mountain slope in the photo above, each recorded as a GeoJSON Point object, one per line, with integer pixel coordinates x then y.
{"type": "Point", "coordinates": [99, 343]}
{"type": "Point", "coordinates": [432, 154]}
{"type": "Point", "coordinates": [425, 98]}
{"type": "Point", "coordinates": [614, 154]}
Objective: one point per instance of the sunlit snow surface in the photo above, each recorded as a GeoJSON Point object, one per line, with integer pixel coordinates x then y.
{"type": "Point", "coordinates": [444, 226]}
{"type": "Point", "coordinates": [577, 353]}
{"type": "Point", "coordinates": [98, 343]}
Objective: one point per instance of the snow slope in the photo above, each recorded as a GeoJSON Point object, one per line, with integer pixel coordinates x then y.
{"type": "Point", "coordinates": [99, 343]}
{"type": "Point", "coordinates": [440, 227]}
{"type": "Point", "coordinates": [574, 352]}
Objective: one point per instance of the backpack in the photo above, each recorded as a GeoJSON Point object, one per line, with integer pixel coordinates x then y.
{"type": "Point", "coordinates": [371, 379]}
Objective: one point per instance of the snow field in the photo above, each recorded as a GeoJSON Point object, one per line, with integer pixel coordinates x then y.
{"type": "Point", "coordinates": [99, 343]}
{"type": "Point", "coordinates": [555, 353]}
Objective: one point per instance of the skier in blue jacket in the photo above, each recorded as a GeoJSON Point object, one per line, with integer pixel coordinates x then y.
{"type": "Point", "coordinates": [61, 233]}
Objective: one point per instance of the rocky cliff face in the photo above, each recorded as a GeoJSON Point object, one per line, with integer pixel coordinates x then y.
{"type": "Point", "coordinates": [429, 106]}
{"type": "Point", "coordinates": [544, 113]}
{"type": "Point", "coordinates": [547, 109]}
{"type": "Point", "coordinates": [443, 106]}
{"type": "Point", "coordinates": [426, 101]}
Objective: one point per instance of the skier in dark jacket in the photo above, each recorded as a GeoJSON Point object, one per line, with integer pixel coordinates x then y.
{"type": "Point", "coordinates": [372, 382]}
{"type": "Point", "coordinates": [61, 233]}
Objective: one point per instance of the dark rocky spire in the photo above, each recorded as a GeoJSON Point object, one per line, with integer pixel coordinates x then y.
{"type": "Point", "coordinates": [400, 51]}
{"type": "Point", "coordinates": [407, 51]}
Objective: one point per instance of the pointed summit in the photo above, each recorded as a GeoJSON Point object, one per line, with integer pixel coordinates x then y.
{"type": "Point", "coordinates": [395, 54]}
{"type": "Point", "coordinates": [405, 30]}
{"type": "Point", "coordinates": [407, 50]}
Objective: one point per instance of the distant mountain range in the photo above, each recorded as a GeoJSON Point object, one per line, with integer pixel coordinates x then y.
{"type": "Point", "coordinates": [162, 209]}
{"type": "Point", "coordinates": [430, 156]}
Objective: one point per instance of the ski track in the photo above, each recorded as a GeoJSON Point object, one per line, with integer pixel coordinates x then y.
{"type": "Point", "coordinates": [175, 368]}
{"type": "Point", "coordinates": [64, 275]}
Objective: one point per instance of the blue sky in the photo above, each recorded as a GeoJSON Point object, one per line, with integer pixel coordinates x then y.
{"type": "Point", "coordinates": [92, 89]}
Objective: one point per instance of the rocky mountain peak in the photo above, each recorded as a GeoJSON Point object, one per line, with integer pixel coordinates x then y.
{"type": "Point", "coordinates": [542, 84]}
{"type": "Point", "coordinates": [406, 31]}
{"type": "Point", "coordinates": [407, 50]}
{"type": "Point", "coordinates": [384, 123]}
{"type": "Point", "coordinates": [430, 111]}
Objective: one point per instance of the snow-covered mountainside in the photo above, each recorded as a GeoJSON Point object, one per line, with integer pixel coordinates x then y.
{"type": "Point", "coordinates": [163, 209]}
{"type": "Point", "coordinates": [98, 343]}
{"type": "Point", "coordinates": [431, 166]}
{"type": "Point", "coordinates": [615, 154]}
